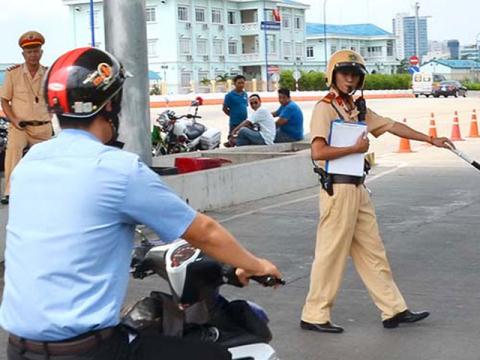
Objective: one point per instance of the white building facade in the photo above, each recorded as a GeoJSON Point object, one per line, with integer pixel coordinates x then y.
{"type": "Point", "coordinates": [191, 42]}
{"type": "Point", "coordinates": [376, 45]}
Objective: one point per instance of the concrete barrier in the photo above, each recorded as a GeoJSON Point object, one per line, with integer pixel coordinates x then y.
{"type": "Point", "coordinates": [245, 181]}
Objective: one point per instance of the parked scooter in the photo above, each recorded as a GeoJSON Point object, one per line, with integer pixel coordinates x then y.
{"type": "Point", "coordinates": [175, 134]}
{"type": "Point", "coordinates": [195, 309]}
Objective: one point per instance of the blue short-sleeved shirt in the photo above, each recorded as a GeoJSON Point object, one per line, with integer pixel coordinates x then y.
{"type": "Point", "coordinates": [74, 204]}
{"type": "Point", "coordinates": [294, 116]}
{"type": "Point", "coordinates": [237, 103]}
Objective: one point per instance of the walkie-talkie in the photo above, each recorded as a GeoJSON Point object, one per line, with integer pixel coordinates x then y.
{"type": "Point", "coordinates": [361, 105]}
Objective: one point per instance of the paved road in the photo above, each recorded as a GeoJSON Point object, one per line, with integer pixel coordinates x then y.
{"type": "Point", "coordinates": [428, 206]}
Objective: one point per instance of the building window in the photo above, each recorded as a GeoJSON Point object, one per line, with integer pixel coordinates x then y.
{"type": "Point", "coordinates": [216, 16]}
{"type": "Point", "coordinates": [298, 23]}
{"type": "Point", "coordinates": [374, 51]}
{"type": "Point", "coordinates": [272, 44]}
{"type": "Point", "coordinates": [182, 13]}
{"type": "Point", "coordinates": [151, 14]}
{"type": "Point", "coordinates": [218, 47]}
{"type": "Point", "coordinates": [333, 48]}
{"type": "Point", "coordinates": [200, 15]}
{"type": "Point", "coordinates": [310, 52]}
{"type": "Point", "coordinates": [298, 49]}
{"type": "Point", "coordinates": [389, 47]}
{"type": "Point", "coordinates": [232, 19]}
{"type": "Point", "coordinates": [203, 76]}
{"type": "Point", "coordinates": [185, 46]}
{"type": "Point", "coordinates": [185, 78]}
{"type": "Point", "coordinates": [152, 47]}
{"type": "Point", "coordinates": [232, 48]}
{"type": "Point", "coordinates": [286, 21]}
{"type": "Point", "coordinates": [287, 49]}
{"type": "Point", "coordinates": [202, 47]}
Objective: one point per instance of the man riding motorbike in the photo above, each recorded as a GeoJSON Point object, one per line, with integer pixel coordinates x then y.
{"type": "Point", "coordinates": [68, 255]}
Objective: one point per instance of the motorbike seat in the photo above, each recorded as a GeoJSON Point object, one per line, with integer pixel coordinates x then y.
{"type": "Point", "coordinates": [194, 131]}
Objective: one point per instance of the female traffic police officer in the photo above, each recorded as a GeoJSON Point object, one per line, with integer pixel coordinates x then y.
{"type": "Point", "coordinates": [348, 224]}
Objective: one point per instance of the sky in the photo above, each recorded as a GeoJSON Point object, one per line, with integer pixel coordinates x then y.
{"type": "Point", "coordinates": [448, 20]}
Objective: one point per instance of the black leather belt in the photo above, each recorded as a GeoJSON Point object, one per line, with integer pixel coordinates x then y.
{"type": "Point", "coordinates": [33, 123]}
{"type": "Point", "coordinates": [347, 179]}
{"type": "Point", "coordinates": [73, 346]}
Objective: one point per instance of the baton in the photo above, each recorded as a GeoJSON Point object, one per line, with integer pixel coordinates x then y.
{"type": "Point", "coordinates": [464, 156]}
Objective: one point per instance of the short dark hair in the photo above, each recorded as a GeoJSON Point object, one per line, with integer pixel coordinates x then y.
{"type": "Point", "coordinates": [284, 91]}
{"type": "Point", "coordinates": [67, 122]}
{"type": "Point", "coordinates": [255, 95]}
{"type": "Point", "coordinates": [238, 77]}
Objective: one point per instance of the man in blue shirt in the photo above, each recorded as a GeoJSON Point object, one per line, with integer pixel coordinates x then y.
{"type": "Point", "coordinates": [290, 119]}
{"type": "Point", "coordinates": [236, 102]}
{"type": "Point", "coordinates": [74, 206]}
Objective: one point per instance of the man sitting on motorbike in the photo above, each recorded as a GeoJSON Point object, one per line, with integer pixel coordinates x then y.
{"type": "Point", "coordinates": [68, 255]}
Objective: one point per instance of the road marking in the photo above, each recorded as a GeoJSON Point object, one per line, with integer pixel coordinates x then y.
{"type": "Point", "coordinates": [398, 166]}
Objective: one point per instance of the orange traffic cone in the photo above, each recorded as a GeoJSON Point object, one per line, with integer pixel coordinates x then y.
{"type": "Point", "coordinates": [432, 130]}
{"type": "Point", "coordinates": [404, 146]}
{"type": "Point", "coordinates": [456, 129]}
{"type": "Point", "coordinates": [474, 126]}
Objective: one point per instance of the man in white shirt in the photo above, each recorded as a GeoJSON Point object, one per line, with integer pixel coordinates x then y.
{"type": "Point", "coordinates": [262, 119]}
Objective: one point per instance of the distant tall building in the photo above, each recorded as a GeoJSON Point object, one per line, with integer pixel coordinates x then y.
{"type": "Point", "coordinates": [470, 52]}
{"type": "Point", "coordinates": [454, 49]}
{"type": "Point", "coordinates": [404, 27]}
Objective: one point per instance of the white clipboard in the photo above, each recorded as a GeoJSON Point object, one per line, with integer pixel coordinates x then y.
{"type": "Point", "coordinates": [344, 134]}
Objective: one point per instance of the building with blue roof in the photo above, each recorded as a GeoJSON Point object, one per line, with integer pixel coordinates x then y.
{"type": "Point", "coordinates": [194, 40]}
{"type": "Point", "coordinates": [375, 44]}
{"type": "Point", "coordinates": [454, 69]}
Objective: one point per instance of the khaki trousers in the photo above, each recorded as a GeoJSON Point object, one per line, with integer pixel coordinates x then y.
{"type": "Point", "coordinates": [348, 226]}
{"type": "Point", "coordinates": [18, 140]}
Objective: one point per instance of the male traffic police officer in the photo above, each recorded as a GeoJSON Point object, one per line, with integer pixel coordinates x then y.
{"type": "Point", "coordinates": [348, 224]}
{"type": "Point", "coordinates": [24, 105]}
{"type": "Point", "coordinates": [68, 256]}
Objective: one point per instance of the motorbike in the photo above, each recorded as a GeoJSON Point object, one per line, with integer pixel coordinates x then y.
{"type": "Point", "coordinates": [195, 309]}
{"type": "Point", "coordinates": [173, 134]}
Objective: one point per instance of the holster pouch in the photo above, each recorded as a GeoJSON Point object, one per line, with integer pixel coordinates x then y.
{"type": "Point", "coordinates": [326, 180]}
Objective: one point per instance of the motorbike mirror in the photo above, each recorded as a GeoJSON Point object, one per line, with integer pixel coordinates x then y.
{"type": "Point", "coordinates": [199, 100]}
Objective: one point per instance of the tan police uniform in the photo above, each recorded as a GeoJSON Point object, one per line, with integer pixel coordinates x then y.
{"type": "Point", "coordinates": [348, 226]}
{"type": "Point", "coordinates": [25, 94]}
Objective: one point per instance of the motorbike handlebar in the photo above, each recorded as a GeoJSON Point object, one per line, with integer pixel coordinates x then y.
{"type": "Point", "coordinates": [231, 278]}
{"type": "Point", "coordinates": [268, 280]}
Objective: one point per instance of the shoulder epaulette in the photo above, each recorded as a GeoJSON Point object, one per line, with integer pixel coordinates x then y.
{"type": "Point", "coordinates": [13, 67]}
{"type": "Point", "coordinates": [328, 98]}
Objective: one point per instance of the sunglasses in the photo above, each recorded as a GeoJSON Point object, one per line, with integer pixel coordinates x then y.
{"type": "Point", "coordinates": [254, 102]}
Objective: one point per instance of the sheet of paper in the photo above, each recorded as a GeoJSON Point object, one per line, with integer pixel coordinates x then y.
{"type": "Point", "coordinates": [344, 134]}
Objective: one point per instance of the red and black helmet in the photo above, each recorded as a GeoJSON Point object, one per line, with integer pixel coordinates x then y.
{"type": "Point", "coordinates": [81, 82]}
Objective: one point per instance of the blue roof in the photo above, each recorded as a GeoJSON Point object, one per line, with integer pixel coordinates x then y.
{"type": "Point", "coordinates": [152, 75]}
{"type": "Point", "coordinates": [458, 64]}
{"type": "Point", "coordinates": [354, 29]}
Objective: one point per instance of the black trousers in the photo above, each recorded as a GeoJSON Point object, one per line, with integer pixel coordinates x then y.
{"type": "Point", "coordinates": [149, 346]}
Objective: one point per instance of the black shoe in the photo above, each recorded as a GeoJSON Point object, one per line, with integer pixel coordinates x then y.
{"type": "Point", "coordinates": [4, 200]}
{"type": "Point", "coordinates": [404, 317]}
{"type": "Point", "coordinates": [327, 327]}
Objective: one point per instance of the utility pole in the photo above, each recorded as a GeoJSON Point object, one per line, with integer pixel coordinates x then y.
{"type": "Point", "coordinates": [92, 23]}
{"type": "Point", "coordinates": [266, 43]}
{"type": "Point", "coordinates": [417, 33]}
{"type": "Point", "coordinates": [325, 32]}
{"type": "Point", "coordinates": [126, 38]}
